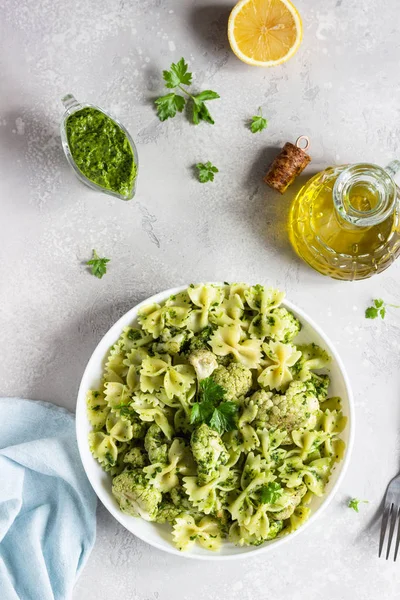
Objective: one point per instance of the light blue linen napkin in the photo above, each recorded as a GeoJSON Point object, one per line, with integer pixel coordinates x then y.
{"type": "Point", "coordinates": [47, 506]}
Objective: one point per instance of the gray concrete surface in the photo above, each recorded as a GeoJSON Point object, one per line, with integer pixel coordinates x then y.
{"type": "Point", "coordinates": [342, 90]}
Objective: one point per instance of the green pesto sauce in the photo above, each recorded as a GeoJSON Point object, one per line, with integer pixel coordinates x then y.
{"type": "Point", "coordinates": [101, 150]}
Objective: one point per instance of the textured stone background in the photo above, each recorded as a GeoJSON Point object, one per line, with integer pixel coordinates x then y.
{"type": "Point", "coordinates": [341, 89]}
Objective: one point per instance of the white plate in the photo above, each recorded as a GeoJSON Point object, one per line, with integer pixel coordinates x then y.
{"type": "Point", "coordinates": [160, 535]}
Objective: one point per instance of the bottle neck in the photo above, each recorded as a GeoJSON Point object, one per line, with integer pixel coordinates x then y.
{"type": "Point", "coordinates": [365, 195]}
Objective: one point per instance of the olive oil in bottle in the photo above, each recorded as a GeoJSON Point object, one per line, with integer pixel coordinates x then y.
{"type": "Point", "coordinates": [345, 221]}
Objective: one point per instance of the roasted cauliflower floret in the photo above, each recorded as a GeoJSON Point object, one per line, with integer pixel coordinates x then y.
{"type": "Point", "coordinates": [297, 407]}
{"type": "Point", "coordinates": [263, 400]}
{"type": "Point", "coordinates": [156, 444]}
{"type": "Point", "coordinates": [139, 427]}
{"type": "Point", "coordinates": [168, 512]}
{"type": "Point", "coordinates": [321, 384]}
{"type": "Point", "coordinates": [236, 379]}
{"type": "Point", "coordinates": [199, 341]}
{"type": "Point", "coordinates": [209, 452]}
{"type": "Point", "coordinates": [135, 494]}
{"type": "Point", "coordinates": [136, 457]}
{"type": "Point", "coordinates": [282, 325]}
{"type": "Point", "coordinates": [204, 363]}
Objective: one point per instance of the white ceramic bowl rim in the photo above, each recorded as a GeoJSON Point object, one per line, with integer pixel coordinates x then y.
{"type": "Point", "coordinates": [104, 496]}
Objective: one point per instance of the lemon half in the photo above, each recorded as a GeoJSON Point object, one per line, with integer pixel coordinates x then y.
{"type": "Point", "coordinates": [264, 33]}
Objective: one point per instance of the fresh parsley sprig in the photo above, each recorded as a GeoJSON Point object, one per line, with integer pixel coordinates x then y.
{"type": "Point", "coordinates": [206, 171]}
{"type": "Point", "coordinates": [168, 105]}
{"type": "Point", "coordinates": [211, 408]}
{"type": "Point", "coordinates": [271, 492]}
{"type": "Point", "coordinates": [98, 265]}
{"type": "Point", "coordinates": [258, 122]}
{"type": "Point", "coordinates": [378, 309]}
{"type": "Point", "coordinates": [354, 503]}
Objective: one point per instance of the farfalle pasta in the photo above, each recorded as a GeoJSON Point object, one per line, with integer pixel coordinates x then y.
{"type": "Point", "coordinates": [210, 418]}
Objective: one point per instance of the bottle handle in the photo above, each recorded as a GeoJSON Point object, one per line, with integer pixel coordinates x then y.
{"type": "Point", "coordinates": [393, 168]}
{"type": "Point", "coordinates": [69, 101]}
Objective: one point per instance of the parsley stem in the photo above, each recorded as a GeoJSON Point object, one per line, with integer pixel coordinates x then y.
{"type": "Point", "coordinates": [393, 305]}
{"type": "Point", "coordinates": [185, 92]}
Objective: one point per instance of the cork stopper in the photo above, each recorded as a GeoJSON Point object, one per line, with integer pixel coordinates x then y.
{"type": "Point", "coordinates": [289, 163]}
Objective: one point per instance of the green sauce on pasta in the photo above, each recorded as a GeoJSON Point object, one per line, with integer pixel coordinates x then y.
{"type": "Point", "coordinates": [250, 482]}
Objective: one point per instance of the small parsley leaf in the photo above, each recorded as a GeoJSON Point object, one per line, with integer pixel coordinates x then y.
{"type": "Point", "coordinates": [271, 492]}
{"type": "Point", "coordinates": [258, 122]}
{"type": "Point", "coordinates": [169, 105]}
{"type": "Point", "coordinates": [378, 309]}
{"type": "Point", "coordinates": [98, 265]}
{"type": "Point", "coordinates": [177, 75]}
{"type": "Point", "coordinates": [206, 171]}
{"type": "Point", "coordinates": [206, 95]}
{"type": "Point", "coordinates": [355, 502]}
{"type": "Point", "coordinates": [223, 417]}
{"type": "Point", "coordinates": [211, 409]}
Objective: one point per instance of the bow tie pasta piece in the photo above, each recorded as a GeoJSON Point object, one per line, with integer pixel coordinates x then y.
{"type": "Point", "coordinates": [288, 503]}
{"type": "Point", "coordinates": [103, 448]}
{"type": "Point", "coordinates": [280, 356]}
{"type": "Point", "coordinates": [152, 373]}
{"type": "Point", "coordinates": [249, 435]}
{"type": "Point", "coordinates": [227, 340]}
{"type": "Point", "coordinates": [229, 312]}
{"type": "Point", "coordinates": [116, 394]}
{"type": "Point", "coordinates": [115, 369]}
{"type": "Point", "coordinates": [312, 357]}
{"type": "Point", "coordinates": [146, 409]}
{"type": "Point", "coordinates": [204, 497]}
{"type": "Point", "coordinates": [315, 475]}
{"type": "Point", "coordinates": [119, 429]}
{"type": "Point", "coordinates": [132, 337]}
{"type": "Point", "coordinates": [176, 380]}
{"type": "Point", "coordinates": [165, 476]}
{"type": "Point", "coordinates": [240, 536]}
{"type": "Point", "coordinates": [263, 300]}
{"type": "Point", "coordinates": [206, 298]}
{"type": "Point", "coordinates": [297, 519]}
{"type": "Point", "coordinates": [97, 409]}
{"type": "Point", "coordinates": [186, 532]}
{"type": "Point", "coordinates": [152, 319]}
{"type": "Point", "coordinates": [133, 362]}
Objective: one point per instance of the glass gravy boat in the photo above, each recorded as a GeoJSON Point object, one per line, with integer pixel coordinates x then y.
{"type": "Point", "coordinates": [71, 106]}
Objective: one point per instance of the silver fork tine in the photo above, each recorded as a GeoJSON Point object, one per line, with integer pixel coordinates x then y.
{"type": "Point", "coordinates": [397, 540]}
{"type": "Point", "coordinates": [385, 518]}
{"type": "Point", "coordinates": [394, 515]}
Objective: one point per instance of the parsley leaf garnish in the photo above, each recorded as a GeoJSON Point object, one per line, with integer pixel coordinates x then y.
{"type": "Point", "coordinates": [167, 106]}
{"type": "Point", "coordinates": [355, 502]}
{"type": "Point", "coordinates": [178, 74]}
{"type": "Point", "coordinates": [206, 171]}
{"type": "Point", "coordinates": [258, 123]}
{"type": "Point", "coordinates": [271, 492]}
{"type": "Point", "coordinates": [98, 265]}
{"type": "Point", "coordinates": [378, 309]}
{"type": "Point", "coordinates": [223, 417]}
{"type": "Point", "coordinates": [211, 409]}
